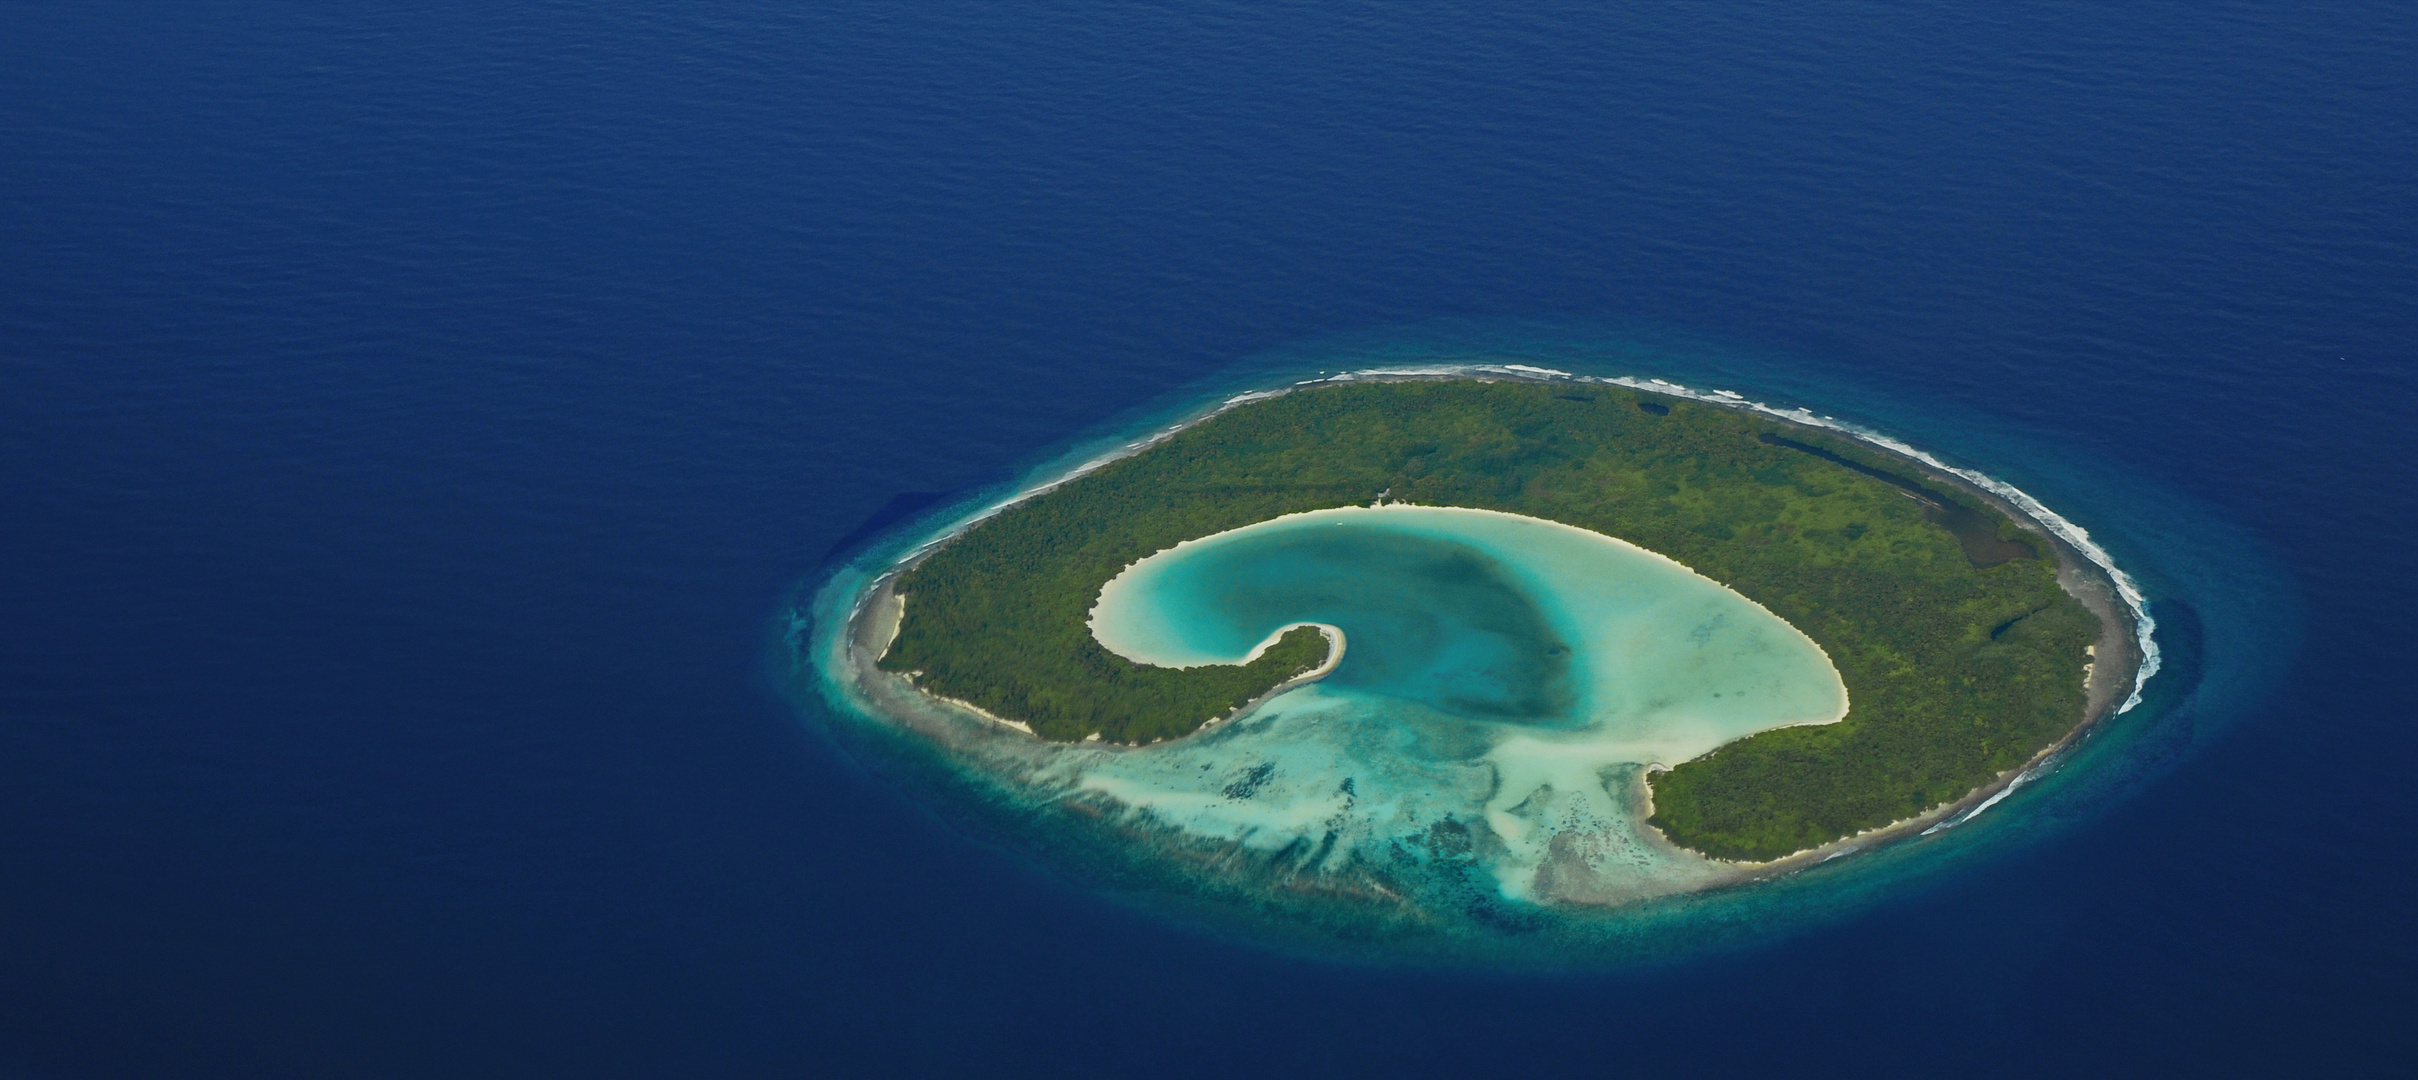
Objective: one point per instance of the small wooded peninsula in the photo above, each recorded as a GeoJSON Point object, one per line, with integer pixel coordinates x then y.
{"type": "Point", "coordinates": [1962, 655]}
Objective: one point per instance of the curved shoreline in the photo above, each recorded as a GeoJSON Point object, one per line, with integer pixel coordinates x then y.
{"type": "Point", "coordinates": [2122, 661]}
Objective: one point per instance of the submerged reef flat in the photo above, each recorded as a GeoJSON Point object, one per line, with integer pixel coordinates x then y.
{"type": "Point", "coordinates": [1431, 646]}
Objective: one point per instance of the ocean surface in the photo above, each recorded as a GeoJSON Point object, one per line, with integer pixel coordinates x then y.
{"type": "Point", "coordinates": [418, 427]}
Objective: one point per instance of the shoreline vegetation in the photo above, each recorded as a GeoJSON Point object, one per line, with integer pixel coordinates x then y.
{"type": "Point", "coordinates": [1964, 630]}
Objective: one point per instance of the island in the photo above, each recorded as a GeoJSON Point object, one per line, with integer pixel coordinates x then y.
{"type": "Point", "coordinates": [1842, 640]}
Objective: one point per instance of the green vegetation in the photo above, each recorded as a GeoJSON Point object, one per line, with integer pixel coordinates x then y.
{"type": "Point", "coordinates": [1961, 656]}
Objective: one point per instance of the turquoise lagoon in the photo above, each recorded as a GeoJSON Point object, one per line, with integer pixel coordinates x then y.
{"type": "Point", "coordinates": [1504, 684]}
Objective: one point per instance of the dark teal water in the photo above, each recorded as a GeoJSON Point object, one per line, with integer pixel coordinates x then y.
{"type": "Point", "coordinates": [413, 422]}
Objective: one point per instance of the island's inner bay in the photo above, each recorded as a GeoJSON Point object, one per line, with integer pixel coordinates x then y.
{"type": "Point", "coordinates": [1451, 652]}
{"type": "Point", "coordinates": [1539, 631]}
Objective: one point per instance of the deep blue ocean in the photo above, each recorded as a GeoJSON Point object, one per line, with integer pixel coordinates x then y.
{"type": "Point", "coordinates": [415, 423]}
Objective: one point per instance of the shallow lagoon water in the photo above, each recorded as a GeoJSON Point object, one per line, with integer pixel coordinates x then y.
{"type": "Point", "coordinates": [1500, 672]}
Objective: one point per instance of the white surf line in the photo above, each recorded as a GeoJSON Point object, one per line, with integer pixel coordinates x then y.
{"type": "Point", "coordinates": [2031, 772]}
{"type": "Point", "coordinates": [2020, 780]}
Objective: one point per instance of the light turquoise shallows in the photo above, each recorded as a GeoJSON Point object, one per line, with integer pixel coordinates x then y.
{"type": "Point", "coordinates": [1505, 679]}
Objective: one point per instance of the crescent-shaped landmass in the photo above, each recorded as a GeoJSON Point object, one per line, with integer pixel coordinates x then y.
{"type": "Point", "coordinates": [1576, 643]}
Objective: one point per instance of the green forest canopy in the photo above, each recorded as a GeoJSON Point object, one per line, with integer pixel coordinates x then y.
{"type": "Point", "coordinates": [1961, 655]}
